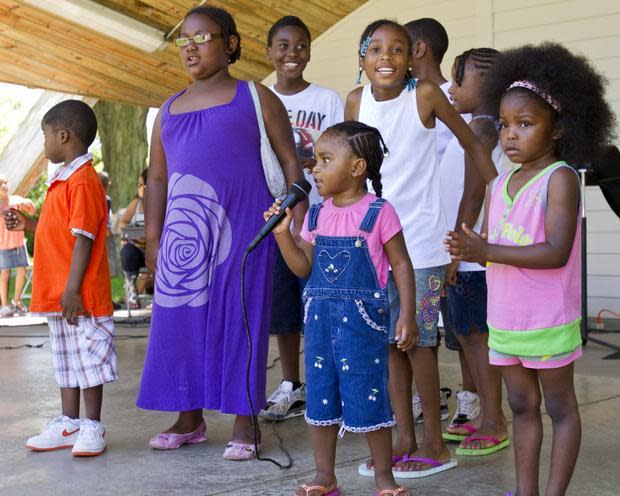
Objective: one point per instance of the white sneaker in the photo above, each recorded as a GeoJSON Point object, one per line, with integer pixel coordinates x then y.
{"type": "Point", "coordinates": [7, 311]}
{"type": "Point", "coordinates": [59, 433]}
{"type": "Point", "coordinates": [444, 412]}
{"type": "Point", "coordinates": [90, 441]}
{"type": "Point", "coordinates": [285, 402]}
{"type": "Point", "coordinates": [467, 407]}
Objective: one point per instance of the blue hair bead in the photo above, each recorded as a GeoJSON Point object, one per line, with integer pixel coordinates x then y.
{"type": "Point", "coordinates": [364, 46]}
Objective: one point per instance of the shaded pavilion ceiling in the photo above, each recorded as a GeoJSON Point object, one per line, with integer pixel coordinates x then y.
{"type": "Point", "coordinates": [41, 50]}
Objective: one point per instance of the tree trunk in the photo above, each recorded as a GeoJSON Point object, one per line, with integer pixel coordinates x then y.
{"type": "Point", "coordinates": [122, 130]}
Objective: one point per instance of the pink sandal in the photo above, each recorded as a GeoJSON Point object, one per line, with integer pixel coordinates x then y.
{"type": "Point", "coordinates": [240, 451]}
{"type": "Point", "coordinates": [169, 440]}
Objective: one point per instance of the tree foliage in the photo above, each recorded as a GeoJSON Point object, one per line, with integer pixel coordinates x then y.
{"type": "Point", "coordinates": [124, 147]}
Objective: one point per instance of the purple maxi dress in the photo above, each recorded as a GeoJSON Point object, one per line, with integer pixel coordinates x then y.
{"type": "Point", "coordinates": [197, 350]}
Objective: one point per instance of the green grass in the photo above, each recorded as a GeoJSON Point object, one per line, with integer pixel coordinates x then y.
{"type": "Point", "coordinates": [118, 290]}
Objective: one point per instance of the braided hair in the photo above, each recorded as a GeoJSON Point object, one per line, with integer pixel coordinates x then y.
{"type": "Point", "coordinates": [367, 37]}
{"type": "Point", "coordinates": [364, 142]}
{"type": "Point", "coordinates": [481, 58]}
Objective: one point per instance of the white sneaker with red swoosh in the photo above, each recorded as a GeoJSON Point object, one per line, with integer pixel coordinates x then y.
{"type": "Point", "coordinates": [90, 441]}
{"type": "Point", "coordinates": [60, 433]}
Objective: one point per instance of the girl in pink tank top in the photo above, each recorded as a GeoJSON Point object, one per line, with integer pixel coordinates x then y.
{"type": "Point", "coordinates": [531, 243]}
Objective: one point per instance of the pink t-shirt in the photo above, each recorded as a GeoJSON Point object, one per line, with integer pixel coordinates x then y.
{"type": "Point", "coordinates": [346, 221]}
{"type": "Point", "coordinates": [14, 239]}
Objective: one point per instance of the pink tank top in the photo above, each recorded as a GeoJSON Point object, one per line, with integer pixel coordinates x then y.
{"type": "Point", "coordinates": [531, 312]}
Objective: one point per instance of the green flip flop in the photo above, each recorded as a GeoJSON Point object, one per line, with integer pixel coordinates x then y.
{"type": "Point", "coordinates": [496, 446]}
{"type": "Point", "coordinates": [448, 436]}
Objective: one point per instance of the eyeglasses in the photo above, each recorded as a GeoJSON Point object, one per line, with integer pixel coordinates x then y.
{"type": "Point", "coordinates": [198, 39]}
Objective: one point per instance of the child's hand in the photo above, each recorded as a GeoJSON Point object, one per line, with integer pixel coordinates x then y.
{"type": "Point", "coordinates": [307, 163]}
{"type": "Point", "coordinates": [71, 303]}
{"type": "Point", "coordinates": [407, 333]}
{"type": "Point", "coordinates": [468, 245]}
{"type": "Point", "coordinates": [14, 220]}
{"type": "Point", "coordinates": [285, 224]}
{"type": "Point", "coordinates": [450, 276]}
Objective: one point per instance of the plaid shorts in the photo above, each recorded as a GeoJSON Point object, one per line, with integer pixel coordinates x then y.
{"type": "Point", "coordinates": [83, 354]}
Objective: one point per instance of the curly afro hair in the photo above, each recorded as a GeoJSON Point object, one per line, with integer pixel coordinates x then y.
{"type": "Point", "coordinates": [585, 117]}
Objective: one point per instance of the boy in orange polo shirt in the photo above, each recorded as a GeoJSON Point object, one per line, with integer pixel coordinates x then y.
{"type": "Point", "coordinates": [71, 280]}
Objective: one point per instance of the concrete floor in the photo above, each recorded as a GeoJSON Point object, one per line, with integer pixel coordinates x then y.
{"type": "Point", "coordinates": [28, 398]}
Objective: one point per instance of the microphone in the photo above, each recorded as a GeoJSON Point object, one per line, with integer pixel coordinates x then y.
{"type": "Point", "coordinates": [298, 191]}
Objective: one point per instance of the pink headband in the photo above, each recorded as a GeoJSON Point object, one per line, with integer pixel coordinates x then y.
{"type": "Point", "coordinates": [528, 85]}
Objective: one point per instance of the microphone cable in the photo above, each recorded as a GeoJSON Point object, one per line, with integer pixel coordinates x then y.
{"type": "Point", "coordinates": [289, 462]}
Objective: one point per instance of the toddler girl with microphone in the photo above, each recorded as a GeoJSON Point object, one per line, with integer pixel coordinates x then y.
{"type": "Point", "coordinates": [347, 245]}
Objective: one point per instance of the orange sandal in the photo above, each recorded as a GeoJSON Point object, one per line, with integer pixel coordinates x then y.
{"type": "Point", "coordinates": [322, 489]}
{"type": "Point", "coordinates": [400, 491]}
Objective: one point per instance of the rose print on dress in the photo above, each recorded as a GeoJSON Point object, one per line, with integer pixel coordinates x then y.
{"type": "Point", "coordinates": [196, 240]}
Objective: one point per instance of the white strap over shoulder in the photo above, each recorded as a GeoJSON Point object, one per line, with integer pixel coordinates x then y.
{"type": "Point", "coordinates": [257, 108]}
{"type": "Point", "coordinates": [274, 175]}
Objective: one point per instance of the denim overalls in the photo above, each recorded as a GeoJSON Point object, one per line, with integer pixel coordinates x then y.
{"type": "Point", "coordinates": [346, 318]}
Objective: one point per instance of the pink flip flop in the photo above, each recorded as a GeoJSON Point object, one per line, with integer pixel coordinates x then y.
{"type": "Point", "coordinates": [168, 440]}
{"type": "Point", "coordinates": [449, 436]}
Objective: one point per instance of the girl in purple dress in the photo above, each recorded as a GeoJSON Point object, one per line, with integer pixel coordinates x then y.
{"type": "Point", "coordinates": [205, 196]}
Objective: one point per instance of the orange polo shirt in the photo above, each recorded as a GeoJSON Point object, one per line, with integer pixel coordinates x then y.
{"type": "Point", "coordinates": [75, 205]}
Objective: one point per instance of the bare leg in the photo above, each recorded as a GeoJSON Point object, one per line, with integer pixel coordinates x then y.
{"type": "Point", "coordinates": [20, 281]}
{"type": "Point", "coordinates": [469, 384]}
{"type": "Point", "coordinates": [288, 346]}
{"type": "Point", "coordinates": [380, 444]}
{"type": "Point", "coordinates": [400, 381]}
{"type": "Point", "coordinates": [524, 398]}
{"type": "Point", "coordinates": [489, 382]}
{"type": "Point", "coordinates": [242, 430]}
{"type": "Point", "coordinates": [324, 445]}
{"type": "Point", "coordinates": [5, 276]}
{"type": "Point", "coordinates": [426, 374]}
{"type": "Point", "coordinates": [70, 399]}
{"type": "Point", "coordinates": [561, 404]}
{"type": "Point", "coordinates": [186, 422]}
{"type": "Point", "coordinates": [92, 402]}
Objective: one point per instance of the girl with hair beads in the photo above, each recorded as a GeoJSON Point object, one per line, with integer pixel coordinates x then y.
{"type": "Point", "coordinates": [405, 112]}
{"type": "Point", "coordinates": [549, 117]}
{"type": "Point", "coordinates": [463, 193]}
{"type": "Point", "coordinates": [348, 242]}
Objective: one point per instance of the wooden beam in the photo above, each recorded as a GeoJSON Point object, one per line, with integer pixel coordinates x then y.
{"type": "Point", "coordinates": [40, 49]}
{"type": "Point", "coordinates": [70, 61]}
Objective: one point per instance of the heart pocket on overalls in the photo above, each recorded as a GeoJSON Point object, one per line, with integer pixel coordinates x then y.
{"type": "Point", "coordinates": [333, 267]}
